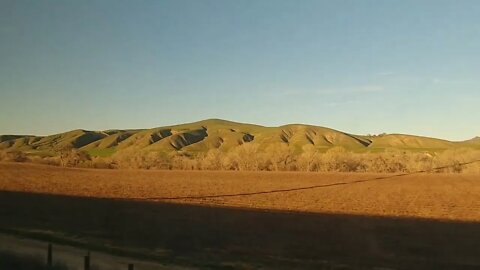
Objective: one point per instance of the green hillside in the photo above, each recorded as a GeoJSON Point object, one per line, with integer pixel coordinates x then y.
{"type": "Point", "coordinates": [204, 135]}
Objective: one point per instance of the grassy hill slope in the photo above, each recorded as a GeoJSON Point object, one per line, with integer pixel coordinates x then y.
{"type": "Point", "coordinates": [204, 135]}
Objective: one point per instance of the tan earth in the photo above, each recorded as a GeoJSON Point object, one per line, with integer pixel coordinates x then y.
{"type": "Point", "coordinates": [436, 196]}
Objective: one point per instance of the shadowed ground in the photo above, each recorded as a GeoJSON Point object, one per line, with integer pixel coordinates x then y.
{"type": "Point", "coordinates": [20, 253]}
{"type": "Point", "coordinates": [227, 237]}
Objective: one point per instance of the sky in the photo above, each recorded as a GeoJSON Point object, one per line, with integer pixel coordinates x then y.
{"type": "Point", "coordinates": [363, 67]}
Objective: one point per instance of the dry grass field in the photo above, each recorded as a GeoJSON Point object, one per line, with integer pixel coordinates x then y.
{"type": "Point", "coordinates": [349, 221]}
{"type": "Point", "coordinates": [436, 196]}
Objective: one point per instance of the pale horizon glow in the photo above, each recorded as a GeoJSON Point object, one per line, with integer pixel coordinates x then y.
{"type": "Point", "coordinates": [362, 67]}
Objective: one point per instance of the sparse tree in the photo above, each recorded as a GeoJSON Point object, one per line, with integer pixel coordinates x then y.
{"type": "Point", "coordinates": [212, 160]}
{"type": "Point", "coordinates": [71, 157]}
{"type": "Point", "coordinates": [280, 155]}
{"type": "Point", "coordinates": [15, 156]}
{"type": "Point", "coordinates": [246, 157]}
{"type": "Point", "coordinates": [308, 159]}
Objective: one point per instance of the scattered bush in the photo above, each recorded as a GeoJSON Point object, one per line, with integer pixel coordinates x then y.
{"type": "Point", "coordinates": [13, 156]}
{"type": "Point", "coordinates": [278, 157]}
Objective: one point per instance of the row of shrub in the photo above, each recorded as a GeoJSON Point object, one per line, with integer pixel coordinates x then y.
{"type": "Point", "coordinates": [281, 157]}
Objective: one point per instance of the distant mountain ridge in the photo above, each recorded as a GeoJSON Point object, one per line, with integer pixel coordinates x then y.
{"type": "Point", "coordinates": [201, 136]}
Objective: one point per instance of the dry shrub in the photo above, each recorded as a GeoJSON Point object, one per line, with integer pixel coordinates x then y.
{"type": "Point", "coordinates": [420, 162]}
{"type": "Point", "coordinates": [102, 163]}
{"type": "Point", "coordinates": [213, 160]}
{"type": "Point", "coordinates": [457, 157]}
{"type": "Point", "coordinates": [308, 160]}
{"type": "Point", "coordinates": [52, 161]}
{"type": "Point", "coordinates": [128, 159]}
{"type": "Point", "coordinates": [137, 159]}
{"type": "Point", "coordinates": [281, 157]}
{"type": "Point", "coordinates": [245, 157]}
{"type": "Point", "coordinates": [182, 161]}
{"type": "Point", "coordinates": [391, 161]}
{"type": "Point", "coordinates": [278, 157]}
{"type": "Point", "coordinates": [338, 159]}
{"type": "Point", "coordinates": [13, 156]}
{"type": "Point", "coordinates": [74, 158]}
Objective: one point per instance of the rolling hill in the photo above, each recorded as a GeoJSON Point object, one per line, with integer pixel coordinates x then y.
{"type": "Point", "coordinates": [204, 135]}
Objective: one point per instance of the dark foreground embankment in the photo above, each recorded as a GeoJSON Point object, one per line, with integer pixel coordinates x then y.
{"type": "Point", "coordinates": [209, 237]}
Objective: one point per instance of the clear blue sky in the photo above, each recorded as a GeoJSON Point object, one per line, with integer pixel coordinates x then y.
{"type": "Point", "coordinates": [357, 66]}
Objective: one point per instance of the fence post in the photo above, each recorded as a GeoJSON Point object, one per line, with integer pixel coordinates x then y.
{"type": "Point", "coordinates": [86, 262]}
{"type": "Point", "coordinates": [130, 266]}
{"type": "Point", "coordinates": [49, 255]}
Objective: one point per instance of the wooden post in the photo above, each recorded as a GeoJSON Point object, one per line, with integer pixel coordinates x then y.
{"type": "Point", "coordinates": [86, 262]}
{"type": "Point", "coordinates": [130, 266]}
{"type": "Point", "coordinates": [49, 255]}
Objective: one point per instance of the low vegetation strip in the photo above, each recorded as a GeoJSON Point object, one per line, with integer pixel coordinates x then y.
{"type": "Point", "coordinates": [438, 196]}
{"type": "Point", "coordinates": [281, 157]}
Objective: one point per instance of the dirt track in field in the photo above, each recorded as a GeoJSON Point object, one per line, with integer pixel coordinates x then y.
{"type": "Point", "coordinates": [437, 196]}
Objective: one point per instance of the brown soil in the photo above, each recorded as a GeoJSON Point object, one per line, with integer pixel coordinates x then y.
{"type": "Point", "coordinates": [436, 196]}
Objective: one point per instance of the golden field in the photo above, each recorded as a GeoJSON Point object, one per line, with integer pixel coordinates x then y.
{"type": "Point", "coordinates": [434, 196]}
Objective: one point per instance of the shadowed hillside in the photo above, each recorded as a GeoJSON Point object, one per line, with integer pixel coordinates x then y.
{"type": "Point", "coordinates": [199, 137]}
